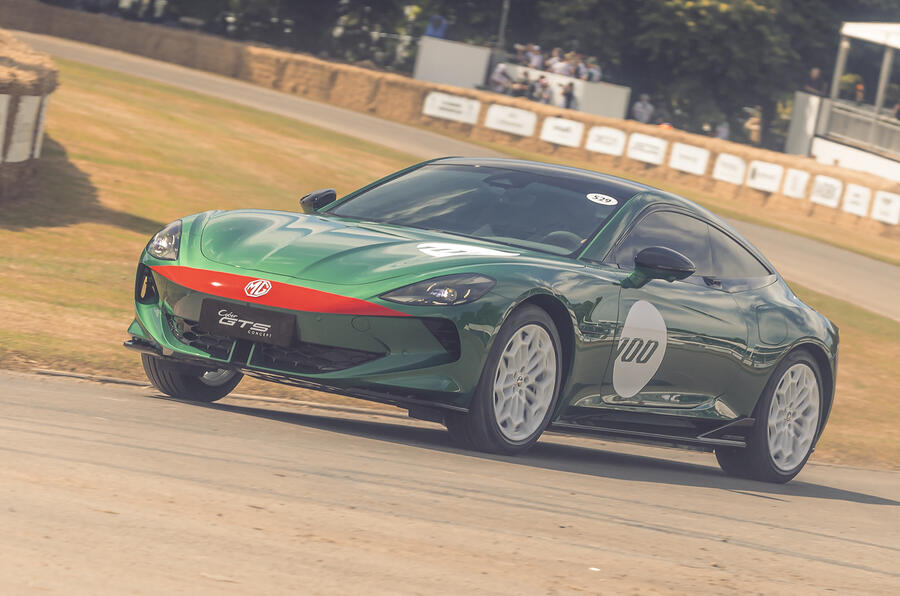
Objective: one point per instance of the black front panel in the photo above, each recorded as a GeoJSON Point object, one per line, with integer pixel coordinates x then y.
{"type": "Point", "coordinates": [244, 322]}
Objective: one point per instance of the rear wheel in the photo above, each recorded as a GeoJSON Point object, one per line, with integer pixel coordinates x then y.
{"type": "Point", "coordinates": [788, 419]}
{"type": "Point", "coordinates": [189, 382]}
{"type": "Point", "coordinates": [518, 388]}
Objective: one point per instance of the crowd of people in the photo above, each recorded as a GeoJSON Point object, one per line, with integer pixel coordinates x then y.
{"type": "Point", "coordinates": [570, 64]}
{"type": "Point", "coordinates": [538, 87]}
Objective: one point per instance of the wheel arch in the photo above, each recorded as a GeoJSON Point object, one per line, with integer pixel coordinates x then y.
{"type": "Point", "coordinates": [562, 319]}
{"type": "Point", "coordinates": [828, 377]}
{"type": "Point", "coordinates": [820, 355]}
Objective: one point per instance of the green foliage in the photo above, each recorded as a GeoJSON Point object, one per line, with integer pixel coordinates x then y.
{"type": "Point", "coordinates": [699, 59]}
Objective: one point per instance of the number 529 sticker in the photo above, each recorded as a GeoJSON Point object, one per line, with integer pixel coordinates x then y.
{"type": "Point", "coordinates": [602, 199]}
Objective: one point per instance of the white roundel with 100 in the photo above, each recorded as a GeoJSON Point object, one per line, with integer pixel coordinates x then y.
{"type": "Point", "coordinates": [640, 351]}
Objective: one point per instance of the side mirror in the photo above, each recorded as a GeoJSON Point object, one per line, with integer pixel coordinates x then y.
{"type": "Point", "coordinates": [317, 199]}
{"type": "Point", "coordinates": [658, 262]}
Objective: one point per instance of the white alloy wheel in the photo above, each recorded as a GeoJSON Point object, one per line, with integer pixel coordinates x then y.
{"type": "Point", "coordinates": [793, 417]}
{"type": "Point", "coordinates": [215, 378]}
{"type": "Point", "coordinates": [525, 382]}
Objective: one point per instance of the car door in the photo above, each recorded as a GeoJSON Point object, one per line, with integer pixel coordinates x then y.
{"type": "Point", "coordinates": [678, 344]}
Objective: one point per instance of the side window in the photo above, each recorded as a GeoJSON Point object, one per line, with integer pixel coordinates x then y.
{"type": "Point", "coordinates": [672, 230]}
{"type": "Point", "coordinates": [731, 260]}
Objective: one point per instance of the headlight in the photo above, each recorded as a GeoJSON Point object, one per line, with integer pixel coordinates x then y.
{"type": "Point", "coordinates": [448, 290]}
{"type": "Point", "coordinates": [164, 245]}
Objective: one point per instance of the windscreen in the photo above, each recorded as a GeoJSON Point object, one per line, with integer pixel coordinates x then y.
{"type": "Point", "coordinates": [556, 214]}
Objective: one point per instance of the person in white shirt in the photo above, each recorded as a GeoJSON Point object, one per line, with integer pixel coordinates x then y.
{"type": "Point", "coordinates": [500, 80]}
{"type": "Point", "coordinates": [555, 57]}
{"type": "Point", "coordinates": [534, 56]}
{"type": "Point", "coordinates": [643, 109]}
{"type": "Point", "coordinates": [564, 66]}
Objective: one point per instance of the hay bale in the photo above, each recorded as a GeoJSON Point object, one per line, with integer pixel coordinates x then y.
{"type": "Point", "coordinates": [23, 73]}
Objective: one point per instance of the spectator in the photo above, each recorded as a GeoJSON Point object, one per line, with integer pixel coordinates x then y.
{"type": "Point", "coordinates": [521, 87]}
{"type": "Point", "coordinates": [437, 26]}
{"type": "Point", "coordinates": [563, 66]}
{"type": "Point", "coordinates": [815, 84]}
{"type": "Point", "coordinates": [581, 68]}
{"type": "Point", "coordinates": [594, 73]}
{"type": "Point", "coordinates": [570, 102]}
{"type": "Point", "coordinates": [520, 58]}
{"type": "Point", "coordinates": [499, 81]}
{"type": "Point", "coordinates": [642, 110]}
{"type": "Point", "coordinates": [723, 130]}
{"type": "Point", "coordinates": [753, 126]}
{"type": "Point", "coordinates": [860, 93]}
{"type": "Point", "coordinates": [555, 56]}
{"type": "Point", "coordinates": [542, 92]}
{"type": "Point", "coordinates": [535, 58]}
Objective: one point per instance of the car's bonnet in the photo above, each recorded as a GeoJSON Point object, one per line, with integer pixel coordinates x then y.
{"type": "Point", "coordinates": [333, 250]}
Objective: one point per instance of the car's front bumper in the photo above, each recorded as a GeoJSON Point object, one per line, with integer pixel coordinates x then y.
{"type": "Point", "coordinates": [398, 359]}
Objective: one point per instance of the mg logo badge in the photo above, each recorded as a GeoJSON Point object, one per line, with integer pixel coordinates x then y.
{"type": "Point", "coordinates": [257, 288]}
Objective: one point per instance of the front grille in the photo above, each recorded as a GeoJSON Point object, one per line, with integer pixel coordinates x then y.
{"type": "Point", "coordinates": [186, 332]}
{"type": "Point", "coordinates": [307, 358]}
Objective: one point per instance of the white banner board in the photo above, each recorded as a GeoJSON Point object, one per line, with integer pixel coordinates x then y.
{"type": "Point", "coordinates": [688, 158]}
{"type": "Point", "coordinates": [4, 112]}
{"type": "Point", "coordinates": [729, 168]}
{"type": "Point", "coordinates": [764, 176]}
{"type": "Point", "coordinates": [795, 183]}
{"type": "Point", "coordinates": [603, 139]}
{"type": "Point", "coordinates": [452, 107]}
{"type": "Point", "coordinates": [512, 120]}
{"type": "Point", "coordinates": [646, 148]}
{"type": "Point", "coordinates": [826, 191]}
{"type": "Point", "coordinates": [857, 199]}
{"type": "Point", "coordinates": [561, 131]}
{"type": "Point", "coordinates": [39, 135]}
{"type": "Point", "coordinates": [20, 145]}
{"type": "Point", "coordinates": [886, 208]}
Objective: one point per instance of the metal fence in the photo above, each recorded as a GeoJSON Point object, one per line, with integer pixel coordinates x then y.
{"type": "Point", "coordinates": [861, 126]}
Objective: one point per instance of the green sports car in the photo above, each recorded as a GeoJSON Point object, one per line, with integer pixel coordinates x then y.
{"type": "Point", "coordinates": [500, 298]}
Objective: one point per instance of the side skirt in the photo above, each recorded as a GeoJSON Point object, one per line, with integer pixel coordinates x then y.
{"type": "Point", "coordinates": [731, 434]}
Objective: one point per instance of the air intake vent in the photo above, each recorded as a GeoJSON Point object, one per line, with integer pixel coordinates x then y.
{"type": "Point", "coordinates": [445, 332]}
{"type": "Point", "coordinates": [144, 286]}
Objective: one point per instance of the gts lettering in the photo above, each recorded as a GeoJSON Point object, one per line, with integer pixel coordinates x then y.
{"type": "Point", "coordinates": [636, 349]}
{"type": "Point", "coordinates": [230, 319]}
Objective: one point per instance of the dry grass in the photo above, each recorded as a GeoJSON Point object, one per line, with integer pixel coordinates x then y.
{"type": "Point", "coordinates": [125, 156]}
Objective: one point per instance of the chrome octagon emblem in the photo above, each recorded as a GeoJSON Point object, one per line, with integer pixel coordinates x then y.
{"type": "Point", "coordinates": [257, 288]}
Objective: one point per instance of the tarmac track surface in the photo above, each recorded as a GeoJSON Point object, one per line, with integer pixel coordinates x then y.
{"type": "Point", "coordinates": [869, 283]}
{"type": "Point", "coordinates": [115, 489]}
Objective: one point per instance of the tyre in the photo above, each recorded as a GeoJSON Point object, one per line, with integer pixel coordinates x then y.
{"type": "Point", "coordinates": [189, 382]}
{"type": "Point", "coordinates": [518, 388]}
{"type": "Point", "coordinates": [789, 415]}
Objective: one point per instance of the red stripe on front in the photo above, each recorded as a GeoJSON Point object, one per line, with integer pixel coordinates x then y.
{"type": "Point", "coordinates": [282, 295]}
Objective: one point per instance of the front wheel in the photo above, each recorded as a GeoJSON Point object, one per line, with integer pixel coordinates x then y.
{"type": "Point", "coordinates": [518, 388]}
{"type": "Point", "coordinates": [787, 423]}
{"type": "Point", "coordinates": [188, 382]}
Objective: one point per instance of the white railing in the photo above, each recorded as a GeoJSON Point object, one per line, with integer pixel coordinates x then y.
{"type": "Point", "coordinates": [860, 126]}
